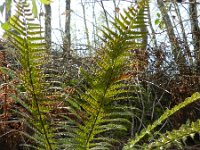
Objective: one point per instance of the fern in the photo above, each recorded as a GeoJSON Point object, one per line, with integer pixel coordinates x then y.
{"type": "Point", "coordinates": [26, 36]}
{"type": "Point", "coordinates": [100, 101]}
{"type": "Point", "coordinates": [175, 136]}
{"type": "Point", "coordinates": [97, 110]}
{"type": "Point", "coordinates": [166, 114]}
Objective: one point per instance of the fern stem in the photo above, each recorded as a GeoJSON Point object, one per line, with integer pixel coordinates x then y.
{"type": "Point", "coordinates": [42, 123]}
{"type": "Point", "coordinates": [91, 131]}
{"type": "Point", "coordinates": [35, 98]}
{"type": "Point", "coordinates": [99, 110]}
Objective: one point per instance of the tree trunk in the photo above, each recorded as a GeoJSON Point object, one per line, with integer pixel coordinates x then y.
{"type": "Point", "coordinates": [184, 35]}
{"type": "Point", "coordinates": [67, 35]}
{"type": "Point", "coordinates": [176, 49]}
{"type": "Point", "coordinates": [105, 13]}
{"type": "Point", "coordinates": [48, 25]}
{"type": "Point", "coordinates": [195, 32]}
{"type": "Point", "coordinates": [86, 29]}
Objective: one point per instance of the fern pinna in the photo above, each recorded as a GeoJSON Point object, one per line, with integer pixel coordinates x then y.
{"type": "Point", "coordinates": [100, 101]}
{"type": "Point", "coordinates": [26, 36]}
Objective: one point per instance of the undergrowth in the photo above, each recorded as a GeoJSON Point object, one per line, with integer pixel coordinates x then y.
{"type": "Point", "coordinates": [98, 110]}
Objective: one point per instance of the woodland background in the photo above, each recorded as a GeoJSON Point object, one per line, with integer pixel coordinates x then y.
{"type": "Point", "coordinates": [165, 69]}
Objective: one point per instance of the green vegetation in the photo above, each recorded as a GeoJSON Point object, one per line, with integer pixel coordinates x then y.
{"type": "Point", "coordinates": [98, 113]}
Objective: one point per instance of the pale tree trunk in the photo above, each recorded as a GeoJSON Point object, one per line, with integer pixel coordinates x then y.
{"type": "Point", "coordinates": [176, 49]}
{"type": "Point", "coordinates": [48, 25]}
{"type": "Point", "coordinates": [185, 40]}
{"type": "Point", "coordinates": [67, 35]}
{"type": "Point", "coordinates": [94, 25]}
{"type": "Point", "coordinates": [195, 32]}
{"type": "Point", "coordinates": [152, 29]}
{"type": "Point", "coordinates": [86, 29]}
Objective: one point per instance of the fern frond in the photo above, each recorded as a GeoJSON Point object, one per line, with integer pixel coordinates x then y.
{"type": "Point", "coordinates": [166, 114]}
{"type": "Point", "coordinates": [106, 87]}
{"type": "Point", "coordinates": [175, 136]}
{"type": "Point", "coordinates": [27, 38]}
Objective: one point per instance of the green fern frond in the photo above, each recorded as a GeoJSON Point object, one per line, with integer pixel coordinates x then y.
{"type": "Point", "coordinates": [106, 87]}
{"type": "Point", "coordinates": [27, 38]}
{"type": "Point", "coordinates": [166, 114]}
{"type": "Point", "coordinates": [175, 137]}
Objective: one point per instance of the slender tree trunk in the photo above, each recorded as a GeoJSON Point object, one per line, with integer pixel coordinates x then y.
{"type": "Point", "coordinates": [105, 13]}
{"type": "Point", "coordinates": [195, 32]}
{"type": "Point", "coordinates": [152, 29]}
{"type": "Point", "coordinates": [59, 15]}
{"type": "Point", "coordinates": [94, 25]}
{"type": "Point", "coordinates": [185, 40]}
{"type": "Point", "coordinates": [176, 49]}
{"type": "Point", "coordinates": [48, 25]}
{"type": "Point", "coordinates": [67, 35]}
{"type": "Point", "coordinates": [86, 29]}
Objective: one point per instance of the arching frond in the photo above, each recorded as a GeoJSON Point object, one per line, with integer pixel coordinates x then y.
{"type": "Point", "coordinates": [175, 137]}
{"type": "Point", "coordinates": [166, 114]}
